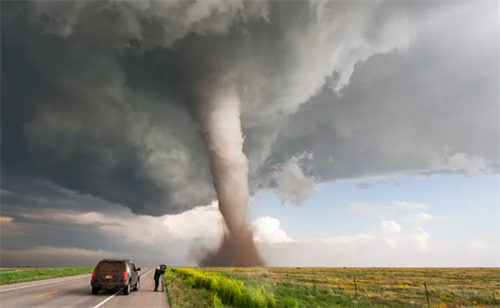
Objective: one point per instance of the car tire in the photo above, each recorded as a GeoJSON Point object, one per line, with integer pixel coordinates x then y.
{"type": "Point", "coordinates": [126, 290]}
{"type": "Point", "coordinates": [137, 285]}
{"type": "Point", "coordinates": [95, 291]}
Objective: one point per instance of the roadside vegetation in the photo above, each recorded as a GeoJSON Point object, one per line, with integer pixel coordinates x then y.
{"type": "Point", "coordinates": [222, 292]}
{"type": "Point", "coordinates": [341, 287]}
{"type": "Point", "coordinates": [24, 275]}
{"type": "Point", "coordinates": [182, 295]}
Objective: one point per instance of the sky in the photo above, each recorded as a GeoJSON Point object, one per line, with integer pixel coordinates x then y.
{"type": "Point", "coordinates": [371, 130]}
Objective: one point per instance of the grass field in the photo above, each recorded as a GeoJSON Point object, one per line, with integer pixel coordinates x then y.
{"type": "Point", "coordinates": [341, 287]}
{"type": "Point", "coordinates": [183, 295]}
{"type": "Point", "coordinates": [9, 276]}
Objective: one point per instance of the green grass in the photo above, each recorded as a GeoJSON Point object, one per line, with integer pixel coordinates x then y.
{"type": "Point", "coordinates": [15, 276]}
{"type": "Point", "coordinates": [226, 291]}
{"type": "Point", "coordinates": [182, 295]}
{"type": "Point", "coordinates": [314, 296]}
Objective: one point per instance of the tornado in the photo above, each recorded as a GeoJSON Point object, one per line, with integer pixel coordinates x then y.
{"type": "Point", "coordinates": [221, 132]}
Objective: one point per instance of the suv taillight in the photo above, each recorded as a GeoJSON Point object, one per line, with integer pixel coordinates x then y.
{"type": "Point", "coordinates": [125, 275]}
{"type": "Point", "coordinates": [93, 274]}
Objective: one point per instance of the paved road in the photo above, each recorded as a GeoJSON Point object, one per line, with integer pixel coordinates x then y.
{"type": "Point", "coordinates": [76, 292]}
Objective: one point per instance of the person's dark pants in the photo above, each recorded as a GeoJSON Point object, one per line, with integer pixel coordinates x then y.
{"type": "Point", "coordinates": [157, 281]}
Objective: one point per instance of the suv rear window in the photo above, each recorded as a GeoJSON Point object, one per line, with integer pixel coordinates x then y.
{"type": "Point", "coordinates": [111, 266]}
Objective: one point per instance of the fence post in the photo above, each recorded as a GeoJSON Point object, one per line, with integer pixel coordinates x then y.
{"type": "Point", "coordinates": [427, 295]}
{"type": "Point", "coordinates": [355, 286]}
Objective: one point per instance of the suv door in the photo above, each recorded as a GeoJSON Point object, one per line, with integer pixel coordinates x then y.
{"type": "Point", "coordinates": [134, 273]}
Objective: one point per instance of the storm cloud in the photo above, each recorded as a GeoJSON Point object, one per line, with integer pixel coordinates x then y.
{"type": "Point", "coordinates": [98, 96]}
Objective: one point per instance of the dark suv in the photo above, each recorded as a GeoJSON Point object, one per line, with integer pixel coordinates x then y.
{"type": "Point", "coordinates": [115, 274]}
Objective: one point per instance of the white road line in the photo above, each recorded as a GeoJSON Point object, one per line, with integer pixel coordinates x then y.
{"type": "Point", "coordinates": [148, 272]}
{"type": "Point", "coordinates": [41, 284]}
{"type": "Point", "coordinates": [107, 299]}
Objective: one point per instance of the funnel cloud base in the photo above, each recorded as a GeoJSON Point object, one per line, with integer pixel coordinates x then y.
{"type": "Point", "coordinates": [237, 250]}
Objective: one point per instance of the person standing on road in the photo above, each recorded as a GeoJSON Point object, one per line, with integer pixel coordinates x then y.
{"type": "Point", "coordinates": [160, 270]}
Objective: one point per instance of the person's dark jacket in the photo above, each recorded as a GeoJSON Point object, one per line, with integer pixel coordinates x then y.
{"type": "Point", "coordinates": [157, 273]}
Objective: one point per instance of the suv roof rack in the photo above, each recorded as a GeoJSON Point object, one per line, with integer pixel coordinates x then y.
{"type": "Point", "coordinates": [123, 260]}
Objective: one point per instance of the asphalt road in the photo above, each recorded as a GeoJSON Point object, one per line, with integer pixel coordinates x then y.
{"type": "Point", "coordinates": [75, 291]}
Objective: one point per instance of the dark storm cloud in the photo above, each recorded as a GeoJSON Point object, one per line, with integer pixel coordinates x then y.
{"type": "Point", "coordinates": [21, 193]}
{"type": "Point", "coordinates": [98, 97]}
{"type": "Point", "coordinates": [25, 234]}
{"type": "Point", "coordinates": [396, 120]}
{"type": "Point", "coordinates": [71, 257]}
{"type": "Point", "coordinates": [25, 201]}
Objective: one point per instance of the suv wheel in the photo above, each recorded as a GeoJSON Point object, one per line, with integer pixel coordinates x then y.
{"type": "Point", "coordinates": [126, 290]}
{"type": "Point", "coordinates": [95, 291]}
{"type": "Point", "coordinates": [137, 285]}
